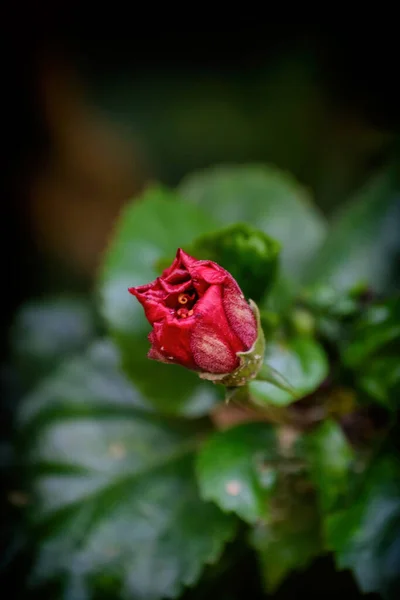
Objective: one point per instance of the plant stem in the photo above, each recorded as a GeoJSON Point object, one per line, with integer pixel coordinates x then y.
{"type": "Point", "coordinates": [267, 373]}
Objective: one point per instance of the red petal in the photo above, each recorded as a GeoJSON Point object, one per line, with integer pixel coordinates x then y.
{"type": "Point", "coordinates": [153, 304]}
{"type": "Point", "coordinates": [175, 265]}
{"type": "Point", "coordinates": [239, 314]}
{"type": "Point", "coordinates": [154, 353]}
{"type": "Point", "coordinates": [185, 259]}
{"type": "Point", "coordinates": [177, 288]}
{"type": "Point", "coordinates": [208, 271]}
{"type": "Point", "coordinates": [177, 276]}
{"type": "Point", "coordinates": [214, 343]}
{"type": "Point", "coordinates": [172, 339]}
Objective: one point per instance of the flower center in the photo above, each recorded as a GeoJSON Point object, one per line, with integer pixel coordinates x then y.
{"type": "Point", "coordinates": [185, 303]}
{"type": "Point", "coordinates": [184, 313]}
{"type": "Point", "coordinates": [183, 298]}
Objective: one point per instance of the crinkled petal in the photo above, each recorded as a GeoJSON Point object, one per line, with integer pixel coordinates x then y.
{"type": "Point", "coordinates": [214, 344]}
{"type": "Point", "coordinates": [239, 314]}
{"type": "Point", "coordinates": [203, 270]}
{"type": "Point", "coordinates": [209, 272]}
{"type": "Point", "coordinates": [171, 338]}
{"type": "Point", "coordinates": [173, 288]}
{"type": "Point", "coordinates": [154, 353]}
{"type": "Point", "coordinates": [178, 276]}
{"type": "Point", "coordinates": [185, 259]}
{"type": "Point", "coordinates": [176, 265]}
{"type": "Point", "coordinates": [154, 307]}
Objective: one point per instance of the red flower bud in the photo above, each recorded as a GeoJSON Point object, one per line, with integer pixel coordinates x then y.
{"type": "Point", "coordinates": [199, 316]}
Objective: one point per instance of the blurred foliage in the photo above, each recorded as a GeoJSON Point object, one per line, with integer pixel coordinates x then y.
{"type": "Point", "coordinates": [303, 363]}
{"type": "Point", "coordinates": [264, 197]}
{"type": "Point", "coordinates": [248, 254]}
{"type": "Point", "coordinates": [373, 352]}
{"type": "Point", "coordinates": [362, 247]}
{"type": "Point", "coordinates": [366, 536]}
{"type": "Point", "coordinates": [233, 471]}
{"type": "Point", "coordinates": [115, 494]}
{"type": "Point", "coordinates": [47, 331]}
{"type": "Point", "coordinates": [133, 490]}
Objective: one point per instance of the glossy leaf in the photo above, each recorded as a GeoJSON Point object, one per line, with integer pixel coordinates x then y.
{"type": "Point", "coordinates": [47, 331]}
{"type": "Point", "coordinates": [267, 198]}
{"type": "Point", "coordinates": [363, 244]}
{"type": "Point", "coordinates": [149, 230]}
{"type": "Point", "coordinates": [233, 470]}
{"type": "Point", "coordinates": [303, 364]}
{"type": "Point", "coordinates": [366, 536]}
{"type": "Point", "coordinates": [84, 383]}
{"type": "Point", "coordinates": [113, 489]}
{"type": "Point", "coordinates": [330, 457]}
{"type": "Point", "coordinates": [244, 470]}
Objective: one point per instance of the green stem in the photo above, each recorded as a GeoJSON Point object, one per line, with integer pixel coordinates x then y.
{"type": "Point", "coordinates": [267, 373]}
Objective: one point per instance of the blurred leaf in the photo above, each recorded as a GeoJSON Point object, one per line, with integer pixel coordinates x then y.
{"type": "Point", "coordinates": [289, 546]}
{"type": "Point", "coordinates": [114, 495]}
{"type": "Point", "coordinates": [379, 327]}
{"type": "Point", "coordinates": [366, 536]}
{"type": "Point", "coordinates": [381, 380]}
{"type": "Point", "coordinates": [303, 321]}
{"type": "Point", "coordinates": [244, 470]}
{"type": "Point", "coordinates": [270, 322]}
{"type": "Point", "coordinates": [233, 472]}
{"type": "Point", "coordinates": [333, 310]}
{"type": "Point", "coordinates": [150, 229]}
{"type": "Point", "coordinates": [247, 253]}
{"type": "Point", "coordinates": [289, 538]}
{"type": "Point", "coordinates": [83, 383]}
{"type": "Point", "coordinates": [303, 364]}
{"type": "Point", "coordinates": [330, 457]}
{"type": "Point", "coordinates": [327, 301]}
{"type": "Point", "coordinates": [374, 352]}
{"type": "Point", "coordinates": [363, 245]}
{"type": "Point", "coordinates": [47, 331]}
{"type": "Point", "coordinates": [281, 297]}
{"type": "Point", "coordinates": [267, 198]}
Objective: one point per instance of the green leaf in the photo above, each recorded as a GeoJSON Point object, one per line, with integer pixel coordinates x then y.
{"type": "Point", "coordinates": [47, 331]}
{"type": "Point", "coordinates": [266, 198]}
{"type": "Point", "coordinates": [373, 352]}
{"type": "Point", "coordinates": [84, 383]}
{"type": "Point", "coordinates": [245, 471]}
{"type": "Point", "coordinates": [249, 255]}
{"type": "Point", "coordinates": [366, 536]}
{"type": "Point", "coordinates": [149, 230]}
{"type": "Point", "coordinates": [287, 546]}
{"type": "Point", "coordinates": [363, 245]}
{"type": "Point", "coordinates": [114, 496]}
{"type": "Point", "coordinates": [374, 332]}
{"type": "Point", "coordinates": [303, 364]}
{"type": "Point", "coordinates": [381, 380]}
{"type": "Point", "coordinates": [330, 457]}
{"type": "Point", "coordinates": [232, 470]}
{"type": "Point", "coordinates": [290, 537]}
{"type": "Point", "coordinates": [281, 297]}
{"type": "Point", "coordinates": [326, 301]}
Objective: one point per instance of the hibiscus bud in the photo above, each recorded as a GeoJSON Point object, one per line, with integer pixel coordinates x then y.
{"type": "Point", "coordinates": [202, 321]}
